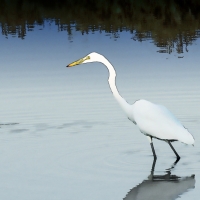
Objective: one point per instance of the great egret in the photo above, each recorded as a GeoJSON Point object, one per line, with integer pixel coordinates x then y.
{"type": "Point", "coordinates": [153, 120]}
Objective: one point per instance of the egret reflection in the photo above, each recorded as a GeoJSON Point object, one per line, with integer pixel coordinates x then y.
{"type": "Point", "coordinates": [165, 187]}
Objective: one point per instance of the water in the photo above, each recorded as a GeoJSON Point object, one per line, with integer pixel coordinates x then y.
{"type": "Point", "coordinates": [62, 134]}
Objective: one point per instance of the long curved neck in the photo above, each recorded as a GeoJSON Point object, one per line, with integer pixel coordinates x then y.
{"type": "Point", "coordinates": [111, 80]}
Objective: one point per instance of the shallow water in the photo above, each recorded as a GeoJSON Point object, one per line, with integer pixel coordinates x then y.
{"type": "Point", "coordinates": [63, 136]}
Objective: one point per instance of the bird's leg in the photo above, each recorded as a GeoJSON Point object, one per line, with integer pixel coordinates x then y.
{"type": "Point", "coordinates": [153, 166]}
{"type": "Point", "coordinates": [153, 150]}
{"type": "Point", "coordinates": [152, 147]}
{"type": "Point", "coordinates": [178, 157]}
{"type": "Point", "coordinates": [177, 160]}
{"type": "Point", "coordinates": [151, 176]}
{"type": "Point", "coordinates": [173, 165]}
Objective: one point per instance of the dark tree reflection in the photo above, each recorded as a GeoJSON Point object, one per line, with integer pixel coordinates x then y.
{"type": "Point", "coordinates": [171, 24]}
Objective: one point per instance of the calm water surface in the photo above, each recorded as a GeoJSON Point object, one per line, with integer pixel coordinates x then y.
{"type": "Point", "coordinates": [62, 134]}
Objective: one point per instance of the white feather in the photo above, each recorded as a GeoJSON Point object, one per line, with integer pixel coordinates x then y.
{"type": "Point", "coordinates": [153, 120]}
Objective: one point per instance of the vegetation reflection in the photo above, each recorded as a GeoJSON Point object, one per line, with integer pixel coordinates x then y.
{"type": "Point", "coordinates": [173, 25]}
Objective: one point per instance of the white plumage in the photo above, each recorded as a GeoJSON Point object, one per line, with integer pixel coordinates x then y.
{"type": "Point", "coordinates": [155, 121]}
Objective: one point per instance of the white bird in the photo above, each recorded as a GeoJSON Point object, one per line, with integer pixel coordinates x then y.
{"type": "Point", "coordinates": [154, 121]}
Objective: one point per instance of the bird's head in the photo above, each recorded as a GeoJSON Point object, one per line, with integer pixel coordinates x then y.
{"type": "Point", "coordinates": [92, 57]}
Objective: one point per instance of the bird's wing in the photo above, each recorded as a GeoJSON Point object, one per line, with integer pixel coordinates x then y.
{"type": "Point", "coordinates": [159, 122]}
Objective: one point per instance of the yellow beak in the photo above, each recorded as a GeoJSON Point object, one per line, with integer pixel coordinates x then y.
{"type": "Point", "coordinates": [78, 62]}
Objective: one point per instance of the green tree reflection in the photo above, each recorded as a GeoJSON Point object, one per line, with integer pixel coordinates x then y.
{"type": "Point", "coordinates": [171, 24]}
